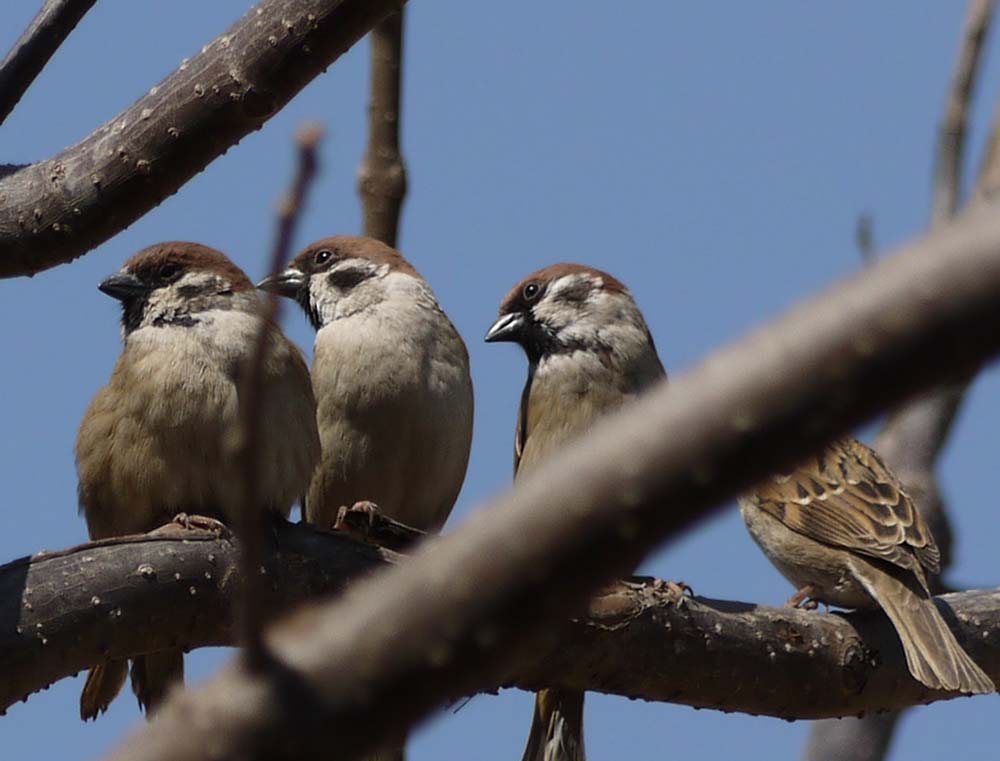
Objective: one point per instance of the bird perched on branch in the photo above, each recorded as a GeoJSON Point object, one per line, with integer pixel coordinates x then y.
{"type": "Point", "coordinates": [391, 378]}
{"type": "Point", "coordinates": [392, 384]}
{"type": "Point", "coordinates": [841, 528]}
{"type": "Point", "coordinates": [589, 353]}
{"type": "Point", "coordinates": [158, 440]}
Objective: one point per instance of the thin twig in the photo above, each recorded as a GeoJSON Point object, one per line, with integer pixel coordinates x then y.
{"type": "Point", "coordinates": [382, 174]}
{"type": "Point", "coordinates": [36, 45]}
{"type": "Point", "coordinates": [398, 645]}
{"type": "Point", "coordinates": [954, 123]}
{"type": "Point", "coordinates": [252, 526]}
{"type": "Point", "coordinates": [864, 237]}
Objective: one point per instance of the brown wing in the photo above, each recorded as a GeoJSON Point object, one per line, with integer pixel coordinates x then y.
{"type": "Point", "coordinates": [846, 497]}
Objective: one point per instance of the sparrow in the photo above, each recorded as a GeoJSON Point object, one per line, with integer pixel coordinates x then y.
{"type": "Point", "coordinates": [157, 440]}
{"type": "Point", "coordinates": [392, 383]}
{"type": "Point", "coordinates": [589, 353]}
{"type": "Point", "coordinates": [842, 529]}
{"type": "Point", "coordinates": [393, 389]}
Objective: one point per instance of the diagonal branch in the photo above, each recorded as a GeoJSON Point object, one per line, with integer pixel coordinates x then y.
{"type": "Point", "coordinates": [634, 640]}
{"type": "Point", "coordinates": [36, 45]}
{"type": "Point", "coordinates": [463, 611]}
{"type": "Point", "coordinates": [57, 209]}
{"type": "Point", "coordinates": [382, 174]}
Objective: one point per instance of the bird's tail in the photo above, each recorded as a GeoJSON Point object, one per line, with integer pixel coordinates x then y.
{"type": "Point", "coordinates": [104, 682]}
{"type": "Point", "coordinates": [933, 655]}
{"type": "Point", "coordinates": [154, 674]}
{"type": "Point", "coordinates": [556, 727]}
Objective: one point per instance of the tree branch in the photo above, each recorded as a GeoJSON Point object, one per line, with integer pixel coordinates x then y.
{"type": "Point", "coordinates": [465, 610]}
{"type": "Point", "coordinates": [382, 174]}
{"type": "Point", "coordinates": [57, 209]}
{"type": "Point", "coordinates": [176, 588]}
{"type": "Point", "coordinates": [36, 45]}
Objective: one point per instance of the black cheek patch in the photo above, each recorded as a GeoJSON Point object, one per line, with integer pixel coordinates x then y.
{"type": "Point", "coordinates": [347, 278]}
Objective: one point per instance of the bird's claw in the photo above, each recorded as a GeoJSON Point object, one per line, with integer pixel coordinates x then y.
{"type": "Point", "coordinates": [357, 520]}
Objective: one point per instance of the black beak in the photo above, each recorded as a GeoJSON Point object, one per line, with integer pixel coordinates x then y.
{"type": "Point", "coordinates": [508, 327]}
{"type": "Point", "coordinates": [288, 283]}
{"type": "Point", "coordinates": [123, 286]}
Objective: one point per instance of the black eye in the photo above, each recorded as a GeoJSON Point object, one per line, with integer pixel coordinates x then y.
{"type": "Point", "coordinates": [168, 271]}
{"type": "Point", "coordinates": [530, 291]}
{"type": "Point", "coordinates": [322, 256]}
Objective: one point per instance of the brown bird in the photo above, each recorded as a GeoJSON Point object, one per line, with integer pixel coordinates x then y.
{"type": "Point", "coordinates": [392, 384]}
{"type": "Point", "coordinates": [841, 528]}
{"type": "Point", "coordinates": [589, 352]}
{"type": "Point", "coordinates": [156, 440]}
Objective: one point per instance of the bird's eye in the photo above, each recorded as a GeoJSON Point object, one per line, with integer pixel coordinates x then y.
{"type": "Point", "coordinates": [530, 291]}
{"type": "Point", "coordinates": [167, 271]}
{"type": "Point", "coordinates": [322, 256]}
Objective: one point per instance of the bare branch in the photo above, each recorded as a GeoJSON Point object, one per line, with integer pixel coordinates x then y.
{"type": "Point", "coordinates": [633, 640]}
{"type": "Point", "coordinates": [60, 208]}
{"type": "Point", "coordinates": [252, 528]}
{"type": "Point", "coordinates": [382, 174]}
{"type": "Point", "coordinates": [951, 133]}
{"type": "Point", "coordinates": [865, 238]}
{"type": "Point", "coordinates": [36, 45]}
{"type": "Point", "coordinates": [464, 611]}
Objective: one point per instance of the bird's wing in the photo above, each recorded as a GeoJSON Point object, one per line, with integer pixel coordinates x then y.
{"type": "Point", "coordinates": [846, 497]}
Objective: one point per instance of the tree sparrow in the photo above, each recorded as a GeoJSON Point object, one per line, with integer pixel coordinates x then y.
{"type": "Point", "coordinates": [589, 352]}
{"type": "Point", "coordinates": [157, 440]}
{"type": "Point", "coordinates": [843, 531]}
{"type": "Point", "coordinates": [392, 384]}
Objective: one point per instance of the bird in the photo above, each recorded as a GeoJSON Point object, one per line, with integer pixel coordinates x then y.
{"type": "Point", "coordinates": [392, 382]}
{"type": "Point", "coordinates": [157, 440]}
{"type": "Point", "coordinates": [589, 353]}
{"type": "Point", "coordinates": [841, 527]}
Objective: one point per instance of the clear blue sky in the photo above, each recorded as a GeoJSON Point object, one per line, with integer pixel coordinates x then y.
{"type": "Point", "coordinates": [714, 157]}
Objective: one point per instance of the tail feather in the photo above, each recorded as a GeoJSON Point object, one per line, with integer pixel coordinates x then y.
{"type": "Point", "coordinates": [154, 674]}
{"type": "Point", "coordinates": [933, 655]}
{"type": "Point", "coordinates": [104, 682]}
{"type": "Point", "coordinates": [556, 727]}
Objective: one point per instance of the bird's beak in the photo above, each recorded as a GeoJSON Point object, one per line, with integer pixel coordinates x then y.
{"type": "Point", "coordinates": [287, 283]}
{"type": "Point", "coordinates": [508, 327]}
{"type": "Point", "coordinates": [123, 286]}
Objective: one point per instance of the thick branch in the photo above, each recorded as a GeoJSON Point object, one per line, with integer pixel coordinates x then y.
{"type": "Point", "coordinates": [382, 174]}
{"type": "Point", "coordinates": [177, 588]}
{"type": "Point", "coordinates": [60, 208]}
{"type": "Point", "coordinates": [36, 45]}
{"type": "Point", "coordinates": [463, 612]}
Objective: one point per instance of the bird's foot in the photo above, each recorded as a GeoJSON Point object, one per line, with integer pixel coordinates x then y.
{"type": "Point", "coordinates": [678, 591]}
{"type": "Point", "coordinates": [804, 598]}
{"type": "Point", "coordinates": [192, 522]}
{"type": "Point", "coordinates": [358, 520]}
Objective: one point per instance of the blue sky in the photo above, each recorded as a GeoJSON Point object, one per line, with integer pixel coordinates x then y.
{"type": "Point", "coordinates": [714, 157]}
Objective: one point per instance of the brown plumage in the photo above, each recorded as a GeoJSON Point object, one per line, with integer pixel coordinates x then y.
{"type": "Point", "coordinates": [156, 440]}
{"type": "Point", "coordinates": [392, 384]}
{"type": "Point", "coordinates": [589, 352]}
{"type": "Point", "coordinates": [842, 529]}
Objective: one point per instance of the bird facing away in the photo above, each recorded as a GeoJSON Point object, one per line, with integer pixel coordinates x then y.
{"type": "Point", "coordinates": [392, 384]}
{"type": "Point", "coordinates": [157, 440]}
{"type": "Point", "coordinates": [841, 528]}
{"type": "Point", "coordinates": [589, 353]}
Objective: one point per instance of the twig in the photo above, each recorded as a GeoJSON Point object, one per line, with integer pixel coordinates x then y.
{"type": "Point", "coordinates": [865, 238]}
{"type": "Point", "coordinates": [382, 174]}
{"type": "Point", "coordinates": [60, 208]}
{"type": "Point", "coordinates": [36, 45]}
{"type": "Point", "coordinates": [914, 434]}
{"type": "Point", "coordinates": [252, 528]}
{"type": "Point", "coordinates": [466, 609]}
{"type": "Point", "coordinates": [140, 594]}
